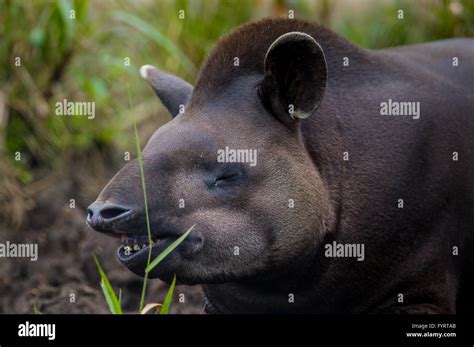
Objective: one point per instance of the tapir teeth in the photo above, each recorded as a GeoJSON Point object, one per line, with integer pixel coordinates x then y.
{"type": "Point", "coordinates": [134, 243]}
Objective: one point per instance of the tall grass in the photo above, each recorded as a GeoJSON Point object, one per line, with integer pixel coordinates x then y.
{"type": "Point", "coordinates": [145, 201]}
{"type": "Point", "coordinates": [114, 302]}
{"type": "Point", "coordinates": [110, 297]}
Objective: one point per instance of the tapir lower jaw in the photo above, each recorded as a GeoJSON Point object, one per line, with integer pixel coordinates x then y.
{"type": "Point", "coordinates": [169, 266]}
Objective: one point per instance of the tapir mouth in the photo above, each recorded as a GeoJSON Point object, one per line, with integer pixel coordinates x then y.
{"type": "Point", "coordinates": [134, 252]}
{"type": "Point", "coordinates": [135, 246]}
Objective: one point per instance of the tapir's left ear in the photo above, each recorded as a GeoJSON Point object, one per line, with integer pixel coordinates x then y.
{"type": "Point", "coordinates": [172, 90]}
{"type": "Point", "coordinates": [295, 77]}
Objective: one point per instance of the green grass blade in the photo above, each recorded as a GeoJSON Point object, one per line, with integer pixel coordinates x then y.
{"type": "Point", "coordinates": [169, 296]}
{"type": "Point", "coordinates": [64, 6]}
{"type": "Point", "coordinates": [168, 250]}
{"type": "Point", "coordinates": [35, 309]}
{"type": "Point", "coordinates": [142, 177]}
{"type": "Point", "coordinates": [110, 296]}
{"type": "Point", "coordinates": [157, 36]}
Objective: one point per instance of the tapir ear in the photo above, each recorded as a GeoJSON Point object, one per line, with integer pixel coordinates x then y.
{"type": "Point", "coordinates": [295, 77]}
{"type": "Point", "coordinates": [172, 90]}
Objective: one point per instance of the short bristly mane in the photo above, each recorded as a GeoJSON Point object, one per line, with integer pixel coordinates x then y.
{"type": "Point", "coordinates": [250, 42]}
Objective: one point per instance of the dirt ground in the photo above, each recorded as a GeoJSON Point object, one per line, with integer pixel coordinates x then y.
{"type": "Point", "coordinates": [65, 248]}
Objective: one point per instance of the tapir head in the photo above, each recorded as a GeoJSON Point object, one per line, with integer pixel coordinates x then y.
{"type": "Point", "coordinates": [231, 162]}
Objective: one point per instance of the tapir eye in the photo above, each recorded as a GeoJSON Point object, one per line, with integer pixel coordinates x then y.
{"type": "Point", "coordinates": [224, 177]}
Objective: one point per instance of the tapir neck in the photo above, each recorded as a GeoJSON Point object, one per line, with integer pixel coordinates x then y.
{"type": "Point", "coordinates": [286, 293]}
{"type": "Point", "coordinates": [268, 298]}
{"type": "Point", "coordinates": [251, 298]}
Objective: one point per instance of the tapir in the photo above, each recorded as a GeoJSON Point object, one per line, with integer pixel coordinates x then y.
{"type": "Point", "coordinates": [359, 197]}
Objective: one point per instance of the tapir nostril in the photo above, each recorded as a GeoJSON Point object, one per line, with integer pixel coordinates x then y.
{"type": "Point", "coordinates": [111, 212]}
{"type": "Point", "coordinates": [90, 214]}
{"type": "Point", "coordinates": [106, 216]}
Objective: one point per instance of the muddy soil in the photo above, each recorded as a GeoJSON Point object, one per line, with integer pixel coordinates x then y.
{"type": "Point", "coordinates": [64, 279]}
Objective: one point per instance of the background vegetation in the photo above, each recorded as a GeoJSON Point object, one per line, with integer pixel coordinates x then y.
{"type": "Point", "coordinates": [86, 59]}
